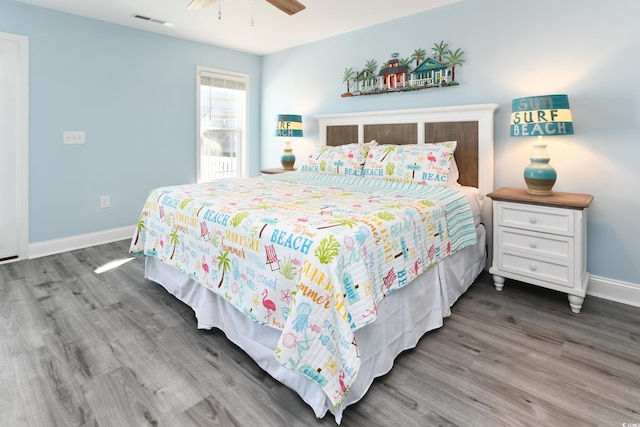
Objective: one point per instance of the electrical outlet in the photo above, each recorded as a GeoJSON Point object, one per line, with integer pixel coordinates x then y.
{"type": "Point", "coordinates": [104, 201]}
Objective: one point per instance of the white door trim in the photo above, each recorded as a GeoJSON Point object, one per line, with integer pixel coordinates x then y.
{"type": "Point", "coordinates": [23, 141]}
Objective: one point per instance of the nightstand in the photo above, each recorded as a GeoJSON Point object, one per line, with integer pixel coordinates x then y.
{"type": "Point", "coordinates": [541, 240]}
{"type": "Point", "coordinates": [271, 171]}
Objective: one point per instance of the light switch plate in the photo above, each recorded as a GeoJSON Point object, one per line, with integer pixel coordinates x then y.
{"type": "Point", "coordinates": [73, 137]}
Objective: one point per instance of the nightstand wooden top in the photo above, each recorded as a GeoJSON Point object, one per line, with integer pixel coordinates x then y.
{"type": "Point", "coordinates": [557, 199]}
{"type": "Point", "coordinates": [271, 171]}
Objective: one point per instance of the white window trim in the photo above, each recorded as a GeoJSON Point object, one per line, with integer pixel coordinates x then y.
{"type": "Point", "coordinates": [242, 152]}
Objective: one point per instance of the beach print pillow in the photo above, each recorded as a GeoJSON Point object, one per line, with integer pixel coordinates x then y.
{"type": "Point", "coordinates": [338, 160]}
{"type": "Point", "coordinates": [423, 164]}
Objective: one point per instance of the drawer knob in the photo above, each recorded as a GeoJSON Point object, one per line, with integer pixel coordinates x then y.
{"type": "Point", "coordinates": [533, 220]}
{"type": "Point", "coordinates": [533, 267]}
{"type": "Point", "coordinates": [533, 245]}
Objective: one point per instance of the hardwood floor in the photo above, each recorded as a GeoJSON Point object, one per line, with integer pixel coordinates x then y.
{"type": "Point", "coordinates": [80, 347]}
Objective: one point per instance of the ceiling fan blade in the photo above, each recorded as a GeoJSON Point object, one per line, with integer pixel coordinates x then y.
{"type": "Point", "coordinates": [199, 4]}
{"type": "Point", "coordinates": [289, 7]}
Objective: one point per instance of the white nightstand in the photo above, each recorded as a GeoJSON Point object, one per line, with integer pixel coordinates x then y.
{"type": "Point", "coordinates": [541, 240]}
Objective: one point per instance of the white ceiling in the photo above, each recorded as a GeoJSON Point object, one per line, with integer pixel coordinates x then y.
{"type": "Point", "coordinates": [272, 29]}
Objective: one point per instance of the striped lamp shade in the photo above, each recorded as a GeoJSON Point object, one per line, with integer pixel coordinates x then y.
{"type": "Point", "coordinates": [541, 116]}
{"type": "Point", "coordinates": [289, 125]}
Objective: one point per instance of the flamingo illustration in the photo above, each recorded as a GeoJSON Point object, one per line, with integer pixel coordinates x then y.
{"type": "Point", "coordinates": [205, 266]}
{"type": "Point", "coordinates": [268, 304]}
{"type": "Point", "coordinates": [431, 158]}
{"type": "Point", "coordinates": [343, 387]}
{"type": "Point", "coordinates": [416, 266]}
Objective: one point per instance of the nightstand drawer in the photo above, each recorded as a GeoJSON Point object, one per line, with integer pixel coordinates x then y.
{"type": "Point", "coordinates": [558, 273]}
{"type": "Point", "coordinates": [543, 219]}
{"type": "Point", "coordinates": [550, 245]}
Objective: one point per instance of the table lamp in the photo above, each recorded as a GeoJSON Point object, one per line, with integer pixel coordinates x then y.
{"type": "Point", "coordinates": [288, 125]}
{"type": "Point", "coordinates": [539, 116]}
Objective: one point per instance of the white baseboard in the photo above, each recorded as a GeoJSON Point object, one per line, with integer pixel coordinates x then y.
{"type": "Point", "coordinates": [614, 290]}
{"type": "Point", "coordinates": [56, 246]}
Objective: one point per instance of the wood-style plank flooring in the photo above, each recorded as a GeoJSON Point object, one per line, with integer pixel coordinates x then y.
{"type": "Point", "coordinates": [109, 348]}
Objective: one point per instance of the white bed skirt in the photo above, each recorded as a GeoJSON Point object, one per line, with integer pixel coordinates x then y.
{"type": "Point", "coordinates": [403, 317]}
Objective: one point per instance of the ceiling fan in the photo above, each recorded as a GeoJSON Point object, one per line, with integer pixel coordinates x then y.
{"type": "Point", "coordinates": [289, 7]}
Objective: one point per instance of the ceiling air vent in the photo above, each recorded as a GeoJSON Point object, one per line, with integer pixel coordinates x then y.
{"type": "Point", "coordinates": [146, 18]}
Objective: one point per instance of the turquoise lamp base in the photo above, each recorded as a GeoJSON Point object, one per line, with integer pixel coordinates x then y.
{"type": "Point", "coordinates": [540, 177]}
{"type": "Point", "coordinates": [288, 159]}
{"type": "Point", "coordinates": [288, 162]}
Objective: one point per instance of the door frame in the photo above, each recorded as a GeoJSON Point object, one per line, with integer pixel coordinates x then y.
{"type": "Point", "coordinates": [22, 107]}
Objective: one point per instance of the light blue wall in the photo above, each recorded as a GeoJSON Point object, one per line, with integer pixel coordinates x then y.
{"type": "Point", "coordinates": [133, 93]}
{"type": "Point", "coordinates": [512, 50]}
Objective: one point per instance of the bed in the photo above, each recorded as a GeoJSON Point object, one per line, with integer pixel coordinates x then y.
{"type": "Point", "coordinates": [323, 276]}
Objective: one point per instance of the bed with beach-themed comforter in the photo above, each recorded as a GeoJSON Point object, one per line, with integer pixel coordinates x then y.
{"type": "Point", "coordinates": [323, 276]}
{"type": "Point", "coordinates": [309, 254]}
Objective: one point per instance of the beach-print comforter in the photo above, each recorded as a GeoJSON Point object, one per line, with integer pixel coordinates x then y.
{"type": "Point", "coordinates": [309, 254]}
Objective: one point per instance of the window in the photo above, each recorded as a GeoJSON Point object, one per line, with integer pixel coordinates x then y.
{"type": "Point", "coordinates": [222, 124]}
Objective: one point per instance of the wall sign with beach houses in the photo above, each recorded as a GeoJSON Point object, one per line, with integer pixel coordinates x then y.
{"type": "Point", "coordinates": [415, 72]}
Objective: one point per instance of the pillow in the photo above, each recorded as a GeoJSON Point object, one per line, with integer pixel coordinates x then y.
{"type": "Point", "coordinates": [423, 164]}
{"type": "Point", "coordinates": [454, 174]}
{"type": "Point", "coordinates": [339, 160]}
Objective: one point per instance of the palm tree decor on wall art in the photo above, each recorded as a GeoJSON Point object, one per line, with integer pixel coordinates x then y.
{"type": "Point", "coordinates": [415, 72]}
{"type": "Point", "coordinates": [348, 76]}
